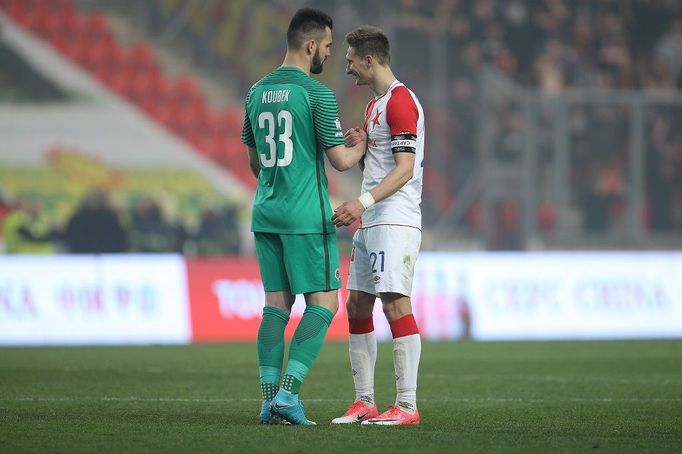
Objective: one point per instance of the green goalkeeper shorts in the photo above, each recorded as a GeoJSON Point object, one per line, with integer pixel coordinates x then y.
{"type": "Point", "coordinates": [298, 263]}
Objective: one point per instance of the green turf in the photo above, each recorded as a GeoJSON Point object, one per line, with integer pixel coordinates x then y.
{"type": "Point", "coordinates": [473, 397]}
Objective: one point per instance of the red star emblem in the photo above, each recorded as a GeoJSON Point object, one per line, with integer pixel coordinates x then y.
{"type": "Point", "coordinates": [375, 120]}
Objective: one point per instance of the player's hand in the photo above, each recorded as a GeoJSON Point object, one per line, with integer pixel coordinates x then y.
{"type": "Point", "coordinates": [347, 213]}
{"type": "Point", "coordinates": [354, 136]}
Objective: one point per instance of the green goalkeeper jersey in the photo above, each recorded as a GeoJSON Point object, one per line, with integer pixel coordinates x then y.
{"type": "Point", "coordinates": [291, 119]}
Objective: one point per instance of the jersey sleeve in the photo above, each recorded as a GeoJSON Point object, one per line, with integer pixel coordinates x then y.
{"type": "Point", "coordinates": [402, 116]}
{"type": "Point", "coordinates": [247, 132]}
{"type": "Point", "coordinates": [325, 110]}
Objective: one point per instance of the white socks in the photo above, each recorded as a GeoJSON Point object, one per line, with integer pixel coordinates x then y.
{"type": "Point", "coordinates": [406, 354]}
{"type": "Point", "coordinates": [363, 357]}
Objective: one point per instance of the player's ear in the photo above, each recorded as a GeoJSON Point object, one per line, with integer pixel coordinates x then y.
{"type": "Point", "coordinates": [310, 46]}
{"type": "Point", "coordinates": [369, 60]}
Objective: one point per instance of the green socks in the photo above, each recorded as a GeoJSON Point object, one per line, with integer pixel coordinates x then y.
{"type": "Point", "coordinates": [271, 349]}
{"type": "Point", "coordinates": [306, 346]}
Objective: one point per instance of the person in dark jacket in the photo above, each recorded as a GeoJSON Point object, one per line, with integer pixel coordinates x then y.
{"type": "Point", "coordinates": [95, 227]}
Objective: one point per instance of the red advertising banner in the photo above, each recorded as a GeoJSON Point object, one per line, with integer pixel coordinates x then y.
{"type": "Point", "coordinates": [226, 301]}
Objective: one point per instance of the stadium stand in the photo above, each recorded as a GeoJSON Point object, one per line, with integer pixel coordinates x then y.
{"type": "Point", "coordinates": [133, 72]}
{"type": "Point", "coordinates": [543, 53]}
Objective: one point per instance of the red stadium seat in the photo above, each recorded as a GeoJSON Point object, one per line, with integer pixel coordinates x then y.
{"type": "Point", "coordinates": [121, 81]}
{"type": "Point", "coordinates": [508, 214]}
{"type": "Point", "coordinates": [18, 11]}
{"type": "Point", "coordinates": [208, 120]}
{"type": "Point", "coordinates": [72, 26]}
{"type": "Point", "coordinates": [142, 57]}
{"type": "Point", "coordinates": [75, 50]}
{"type": "Point", "coordinates": [96, 26]}
{"type": "Point", "coordinates": [98, 53]}
{"type": "Point", "coordinates": [118, 57]}
{"type": "Point", "coordinates": [546, 217]}
{"type": "Point", "coordinates": [47, 24]}
{"type": "Point", "coordinates": [143, 83]}
{"type": "Point", "coordinates": [187, 85]}
{"type": "Point", "coordinates": [232, 121]}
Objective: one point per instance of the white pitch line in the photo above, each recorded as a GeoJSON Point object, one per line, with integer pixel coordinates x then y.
{"type": "Point", "coordinates": [558, 379]}
{"type": "Point", "coordinates": [439, 399]}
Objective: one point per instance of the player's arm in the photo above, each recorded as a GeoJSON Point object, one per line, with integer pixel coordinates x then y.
{"type": "Point", "coordinates": [402, 117]}
{"type": "Point", "coordinates": [249, 140]}
{"type": "Point", "coordinates": [396, 178]}
{"type": "Point", "coordinates": [349, 212]}
{"type": "Point", "coordinates": [253, 161]}
{"type": "Point", "coordinates": [343, 157]}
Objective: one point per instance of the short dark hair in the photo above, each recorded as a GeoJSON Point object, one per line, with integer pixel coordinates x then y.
{"type": "Point", "coordinates": [307, 23]}
{"type": "Point", "coordinates": [370, 40]}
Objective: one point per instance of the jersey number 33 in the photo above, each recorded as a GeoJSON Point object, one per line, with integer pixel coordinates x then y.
{"type": "Point", "coordinates": [284, 123]}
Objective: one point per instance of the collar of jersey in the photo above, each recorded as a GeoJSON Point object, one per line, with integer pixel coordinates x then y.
{"type": "Point", "coordinates": [390, 87]}
{"type": "Point", "coordinates": [294, 68]}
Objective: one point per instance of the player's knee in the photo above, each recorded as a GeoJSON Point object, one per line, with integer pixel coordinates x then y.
{"type": "Point", "coordinates": [360, 304]}
{"type": "Point", "coordinates": [355, 309]}
{"type": "Point", "coordinates": [390, 310]}
{"type": "Point", "coordinates": [395, 306]}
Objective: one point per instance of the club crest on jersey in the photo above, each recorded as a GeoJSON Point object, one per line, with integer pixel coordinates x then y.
{"type": "Point", "coordinates": [375, 120]}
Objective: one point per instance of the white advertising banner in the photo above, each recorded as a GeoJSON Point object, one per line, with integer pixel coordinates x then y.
{"type": "Point", "coordinates": [108, 299]}
{"type": "Point", "coordinates": [509, 296]}
{"type": "Point", "coordinates": [144, 299]}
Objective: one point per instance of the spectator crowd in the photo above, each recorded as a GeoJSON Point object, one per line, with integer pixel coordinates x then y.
{"type": "Point", "coordinates": [550, 47]}
{"type": "Point", "coordinates": [99, 226]}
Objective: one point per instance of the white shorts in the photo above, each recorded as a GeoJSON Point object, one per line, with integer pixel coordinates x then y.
{"type": "Point", "coordinates": [383, 259]}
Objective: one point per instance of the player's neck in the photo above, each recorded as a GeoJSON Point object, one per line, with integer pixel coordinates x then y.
{"type": "Point", "coordinates": [382, 81]}
{"type": "Point", "coordinates": [297, 61]}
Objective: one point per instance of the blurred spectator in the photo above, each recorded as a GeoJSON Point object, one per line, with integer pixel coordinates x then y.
{"type": "Point", "coordinates": [669, 51]}
{"type": "Point", "coordinates": [149, 231]}
{"type": "Point", "coordinates": [664, 171]}
{"type": "Point", "coordinates": [5, 207]}
{"type": "Point", "coordinates": [600, 198]}
{"type": "Point", "coordinates": [218, 232]}
{"type": "Point", "coordinates": [26, 230]}
{"type": "Point", "coordinates": [95, 227]}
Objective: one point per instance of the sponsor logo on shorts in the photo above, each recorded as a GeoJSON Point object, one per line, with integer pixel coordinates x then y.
{"type": "Point", "coordinates": [377, 279]}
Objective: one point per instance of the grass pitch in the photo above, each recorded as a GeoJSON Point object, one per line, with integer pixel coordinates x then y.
{"type": "Point", "coordinates": [621, 396]}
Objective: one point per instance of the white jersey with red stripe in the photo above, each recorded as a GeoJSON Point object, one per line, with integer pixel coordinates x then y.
{"type": "Point", "coordinates": [395, 124]}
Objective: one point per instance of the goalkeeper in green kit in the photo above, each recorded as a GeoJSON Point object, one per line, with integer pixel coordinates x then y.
{"type": "Point", "coordinates": [292, 122]}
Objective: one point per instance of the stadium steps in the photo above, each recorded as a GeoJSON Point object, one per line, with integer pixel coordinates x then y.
{"type": "Point", "coordinates": [135, 70]}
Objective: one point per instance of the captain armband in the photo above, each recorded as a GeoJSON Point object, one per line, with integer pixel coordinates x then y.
{"type": "Point", "coordinates": [404, 143]}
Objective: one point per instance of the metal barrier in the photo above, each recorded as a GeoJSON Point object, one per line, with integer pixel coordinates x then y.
{"type": "Point", "coordinates": [577, 169]}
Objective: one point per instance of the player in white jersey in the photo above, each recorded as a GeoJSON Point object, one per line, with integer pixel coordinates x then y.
{"type": "Point", "coordinates": [386, 246]}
